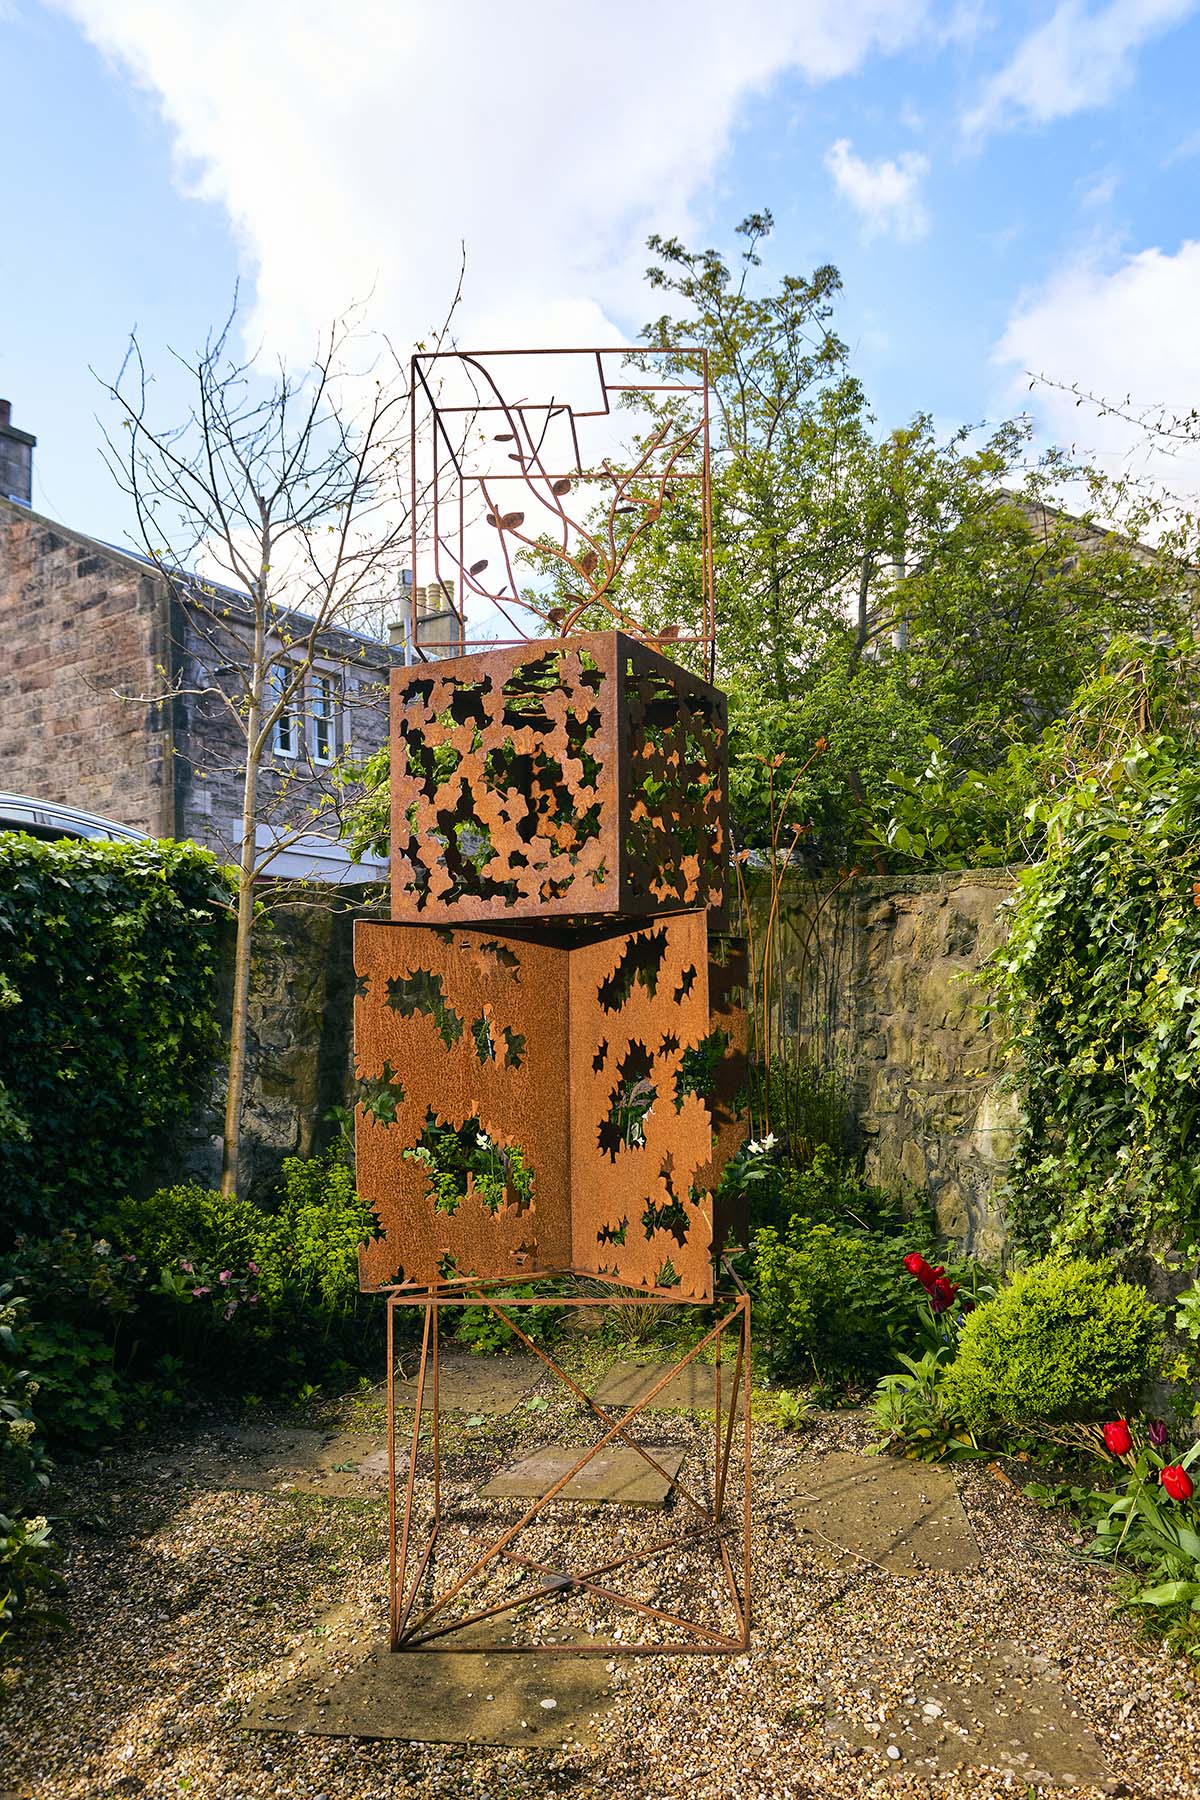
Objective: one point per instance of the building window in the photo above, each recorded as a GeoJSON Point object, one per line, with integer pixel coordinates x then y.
{"type": "Point", "coordinates": [323, 719]}
{"type": "Point", "coordinates": [286, 725]}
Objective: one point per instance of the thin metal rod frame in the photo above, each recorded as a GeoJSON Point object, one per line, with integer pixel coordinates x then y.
{"type": "Point", "coordinates": [431, 1629]}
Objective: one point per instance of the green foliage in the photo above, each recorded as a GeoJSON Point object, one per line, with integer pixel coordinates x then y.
{"type": "Point", "coordinates": [483, 1334]}
{"type": "Point", "coordinates": [28, 1556]}
{"type": "Point", "coordinates": [792, 1411]}
{"type": "Point", "coordinates": [1065, 1340]}
{"type": "Point", "coordinates": [944, 818]}
{"type": "Point", "coordinates": [829, 1275]}
{"type": "Point", "coordinates": [1153, 1540]}
{"type": "Point", "coordinates": [109, 952]}
{"type": "Point", "coordinates": [308, 1251]}
{"type": "Point", "coordinates": [827, 1190]}
{"type": "Point", "coordinates": [187, 1222]}
{"type": "Point", "coordinates": [915, 1416]}
{"type": "Point", "coordinates": [1098, 985]}
{"type": "Point", "coordinates": [464, 1157]}
{"type": "Point", "coordinates": [873, 587]}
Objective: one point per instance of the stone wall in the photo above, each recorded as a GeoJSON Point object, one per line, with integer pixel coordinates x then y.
{"type": "Point", "coordinates": [875, 976]}
{"type": "Point", "coordinates": [300, 1051]}
{"type": "Point", "coordinates": [78, 622]}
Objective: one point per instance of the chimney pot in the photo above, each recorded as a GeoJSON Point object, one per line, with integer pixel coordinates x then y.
{"type": "Point", "coordinates": [5, 412]}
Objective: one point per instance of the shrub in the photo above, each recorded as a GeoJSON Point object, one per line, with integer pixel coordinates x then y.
{"type": "Point", "coordinates": [836, 1301]}
{"type": "Point", "coordinates": [830, 1190]}
{"type": "Point", "coordinates": [107, 982]}
{"type": "Point", "coordinates": [308, 1249]}
{"type": "Point", "coordinates": [188, 1222]}
{"type": "Point", "coordinates": [28, 1556]}
{"type": "Point", "coordinates": [1065, 1340]}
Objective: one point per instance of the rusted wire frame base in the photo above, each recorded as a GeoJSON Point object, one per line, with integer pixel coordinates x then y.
{"type": "Point", "coordinates": [427, 1631]}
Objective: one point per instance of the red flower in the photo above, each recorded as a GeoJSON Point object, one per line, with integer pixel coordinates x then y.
{"type": "Point", "coordinates": [1117, 1437]}
{"type": "Point", "coordinates": [1177, 1482]}
{"type": "Point", "coordinates": [920, 1271]}
{"type": "Point", "coordinates": [941, 1294]}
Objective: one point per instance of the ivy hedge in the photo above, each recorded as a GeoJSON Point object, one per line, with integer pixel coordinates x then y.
{"type": "Point", "coordinates": [1099, 985]}
{"type": "Point", "coordinates": [107, 1015]}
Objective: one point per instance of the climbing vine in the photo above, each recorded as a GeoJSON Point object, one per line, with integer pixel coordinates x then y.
{"type": "Point", "coordinates": [1099, 985]}
{"type": "Point", "coordinates": [107, 983]}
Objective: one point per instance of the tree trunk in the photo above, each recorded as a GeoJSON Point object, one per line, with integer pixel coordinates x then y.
{"type": "Point", "coordinates": [240, 1018]}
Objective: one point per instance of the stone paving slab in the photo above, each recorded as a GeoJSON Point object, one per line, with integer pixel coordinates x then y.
{"type": "Point", "coordinates": [905, 1516]}
{"type": "Point", "coordinates": [691, 1390]}
{"type": "Point", "coordinates": [444, 1697]}
{"type": "Point", "coordinates": [621, 1476]}
{"type": "Point", "coordinates": [488, 1385]}
{"type": "Point", "coordinates": [270, 1459]}
{"type": "Point", "coordinates": [986, 1708]}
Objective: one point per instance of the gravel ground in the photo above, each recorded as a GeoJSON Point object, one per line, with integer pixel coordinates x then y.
{"type": "Point", "coordinates": [187, 1604]}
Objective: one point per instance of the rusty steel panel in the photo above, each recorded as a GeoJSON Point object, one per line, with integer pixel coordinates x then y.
{"type": "Point", "coordinates": [575, 781]}
{"type": "Point", "coordinates": [639, 1139]}
{"type": "Point", "coordinates": [584, 1059]}
{"type": "Point", "coordinates": [729, 1020]}
{"type": "Point", "coordinates": [459, 1026]}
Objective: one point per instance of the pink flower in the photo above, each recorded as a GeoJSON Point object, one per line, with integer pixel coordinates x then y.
{"type": "Point", "coordinates": [196, 1292]}
{"type": "Point", "coordinates": [187, 1267]}
{"type": "Point", "coordinates": [224, 1275]}
{"type": "Point", "coordinates": [253, 1267]}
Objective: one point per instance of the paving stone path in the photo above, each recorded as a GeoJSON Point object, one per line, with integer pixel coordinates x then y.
{"type": "Point", "coordinates": [898, 1631]}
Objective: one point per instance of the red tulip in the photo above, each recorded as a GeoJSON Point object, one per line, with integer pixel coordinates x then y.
{"type": "Point", "coordinates": [941, 1294]}
{"type": "Point", "coordinates": [1117, 1437]}
{"type": "Point", "coordinates": [1177, 1482]}
{"type": "Point", "coordinates": [920, 1271]}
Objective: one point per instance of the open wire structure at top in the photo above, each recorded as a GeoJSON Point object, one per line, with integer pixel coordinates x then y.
{"type": "Point", "coordinates": [518, 470]}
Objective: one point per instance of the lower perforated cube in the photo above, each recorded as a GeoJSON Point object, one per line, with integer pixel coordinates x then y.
{"type": "Point", "coordinates": [535, 1101]}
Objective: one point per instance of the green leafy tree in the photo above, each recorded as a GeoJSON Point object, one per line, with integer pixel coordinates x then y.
{"type": "Point", "coordinates": [871, 588]}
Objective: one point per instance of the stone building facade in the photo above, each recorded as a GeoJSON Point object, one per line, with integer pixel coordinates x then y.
{"type": "Point", "coordinates": [105, 666]}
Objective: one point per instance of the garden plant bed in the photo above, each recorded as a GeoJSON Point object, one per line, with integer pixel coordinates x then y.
{"type": "Point", "coordinates": [206, 1619]}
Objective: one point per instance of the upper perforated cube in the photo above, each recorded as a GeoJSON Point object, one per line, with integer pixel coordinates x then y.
{"type": "Point", "coordinates": [575, 778]}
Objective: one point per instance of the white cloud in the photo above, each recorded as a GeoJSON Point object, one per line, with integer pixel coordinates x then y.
{"type": "Point", "coordinates": [886, 194]}
{"type": "Point", "coordinates": [1077, 59]}
{"type": "Point", "coordinates": [1127, 335]}
{"type": "Point", "coordinates": [354, 147]}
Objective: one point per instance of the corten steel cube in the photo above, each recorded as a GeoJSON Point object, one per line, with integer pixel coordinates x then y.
{"type": "Point", "coordinates": [574, 779]}
{"type": "Point", "coordinates": [581, 1082]}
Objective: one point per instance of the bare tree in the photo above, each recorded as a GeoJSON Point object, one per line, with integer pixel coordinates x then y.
{"type": "Point", "coordinates": [275, 512]}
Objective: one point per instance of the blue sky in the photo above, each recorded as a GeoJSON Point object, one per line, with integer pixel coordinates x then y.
{"type": "Point", "coordinates": [1002, 186]}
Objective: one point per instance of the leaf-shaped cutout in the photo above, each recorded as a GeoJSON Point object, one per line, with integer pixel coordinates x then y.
{"type": "Point", "coordinates": [510, 521]}
{"type": "Point", "coordinates": [493, 520]}
{"type": "Point", "coordinates": [477, 568]}
{"type": "Point", "coordinates": [516, 456]}
{"type": "Point", "coordinates": [588, 561]}
{"type": "Point", "coordinates": [505, 437]}
{"type": "Point", "coordinates": [562, 486]}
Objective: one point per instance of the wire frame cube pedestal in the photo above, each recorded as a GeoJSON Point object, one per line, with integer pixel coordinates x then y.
{"type": "Point", "coordinates": [714, 1521]}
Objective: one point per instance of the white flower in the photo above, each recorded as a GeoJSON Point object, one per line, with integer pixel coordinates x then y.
{"type": "Point", "coordinates": [483, 1140]}
{"type": "Point", "coordinates": [101, 1247]}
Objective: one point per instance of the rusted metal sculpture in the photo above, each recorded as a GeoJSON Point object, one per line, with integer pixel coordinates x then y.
{"type": "Point", "coordinates": [508, 483]}
{"type": "Point", "coordinates": [551, 1036]}
{"type": "Point", "coordinates": [575, 779]}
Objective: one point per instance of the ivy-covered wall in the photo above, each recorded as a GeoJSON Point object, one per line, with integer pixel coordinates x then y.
{"type": "Point", "coordinates": [876, 978]}
{"type": "Point", "coordinates": [108, 1021]}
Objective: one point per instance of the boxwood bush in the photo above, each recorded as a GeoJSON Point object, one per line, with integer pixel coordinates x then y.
{"type": "Point", "coordinates": [1065, 1340]}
